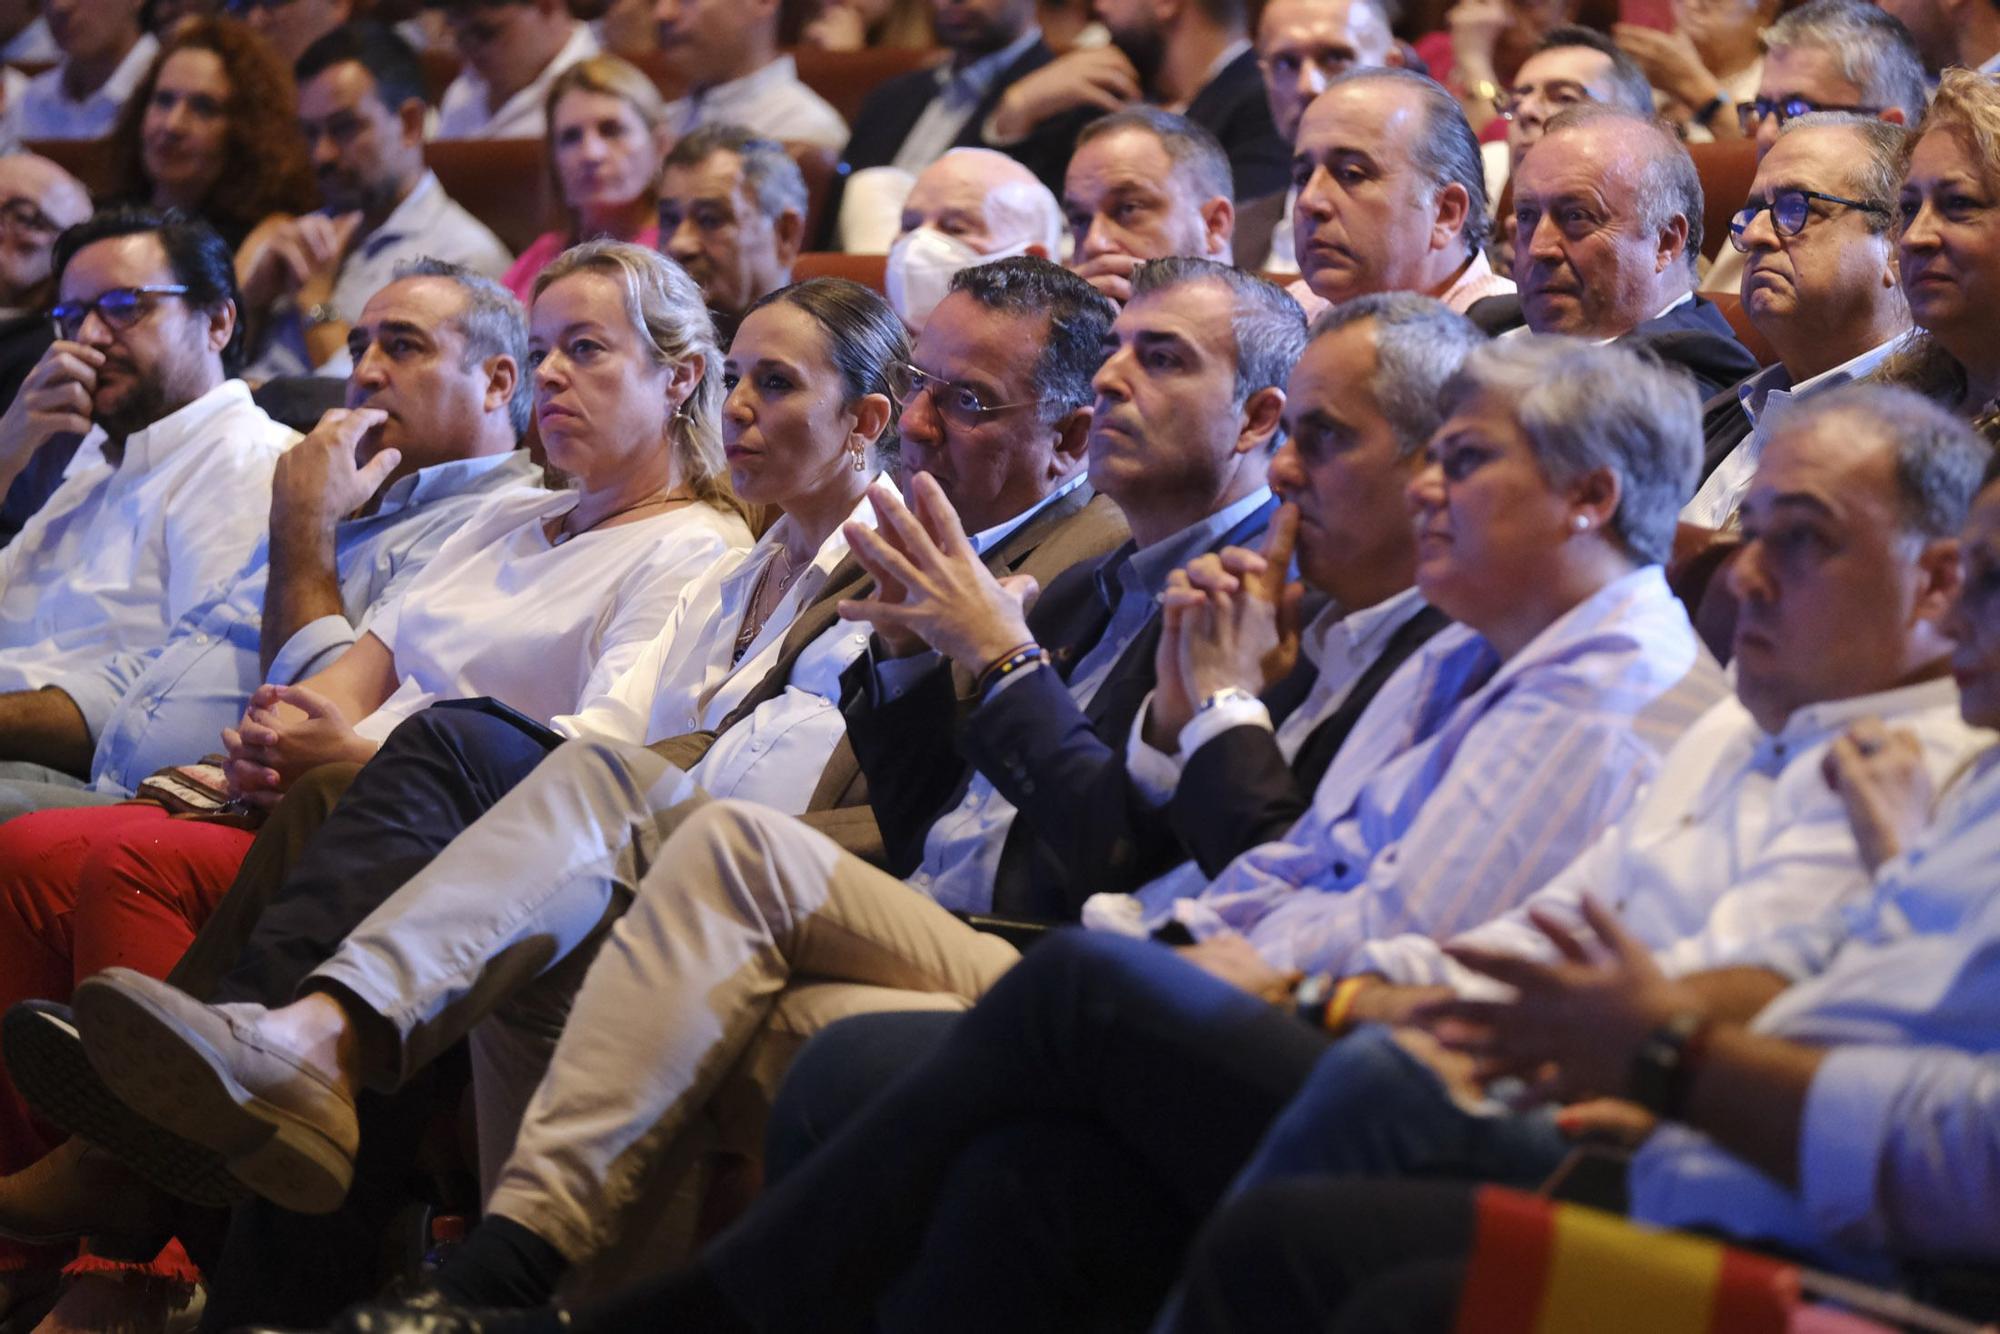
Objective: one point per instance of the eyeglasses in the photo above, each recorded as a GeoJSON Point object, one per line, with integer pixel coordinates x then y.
{"type": "Point", "coordinates": [22, 215]}
{"type": "Point", "coordinates": [1557, 93]}
{"type": "Point", "coordinates": [958, 404]}
{"type": "Point", "coordinates": [1791, 210]}
{"type": "Point", "coordinates": [120, 308]}
{"type": "Point", "coordinates": [245, 8]}
{"type": "Point", "coordinates": [1748, 114]}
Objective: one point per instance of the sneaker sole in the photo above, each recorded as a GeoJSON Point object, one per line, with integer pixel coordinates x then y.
{"type": "Point", "coordinates": [46, 1060]}
{"type": "Point", "coordinates": [173, 1077]}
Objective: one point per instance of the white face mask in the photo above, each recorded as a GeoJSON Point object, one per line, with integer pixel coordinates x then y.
{"type": "Point", "coordinates": [921, 266]}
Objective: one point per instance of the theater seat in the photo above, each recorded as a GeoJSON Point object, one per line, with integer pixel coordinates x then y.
{"type": "Point", "coordinates": [92, 161]}
{"type": "Point", "coordinates": [845, 78]}
{"type": "Point", "coordinates": [818, 165]}
{"type": "Point", "coordinates": [1731, 306]}
{"type": "Point", "coordinates": [502, 182]}
{"type": "Point", "coordinates": [440, 68]}
{"type": "Point", "coordinates": [1726, 170]}
{"type": "Point", "coordinates": [868, 270]}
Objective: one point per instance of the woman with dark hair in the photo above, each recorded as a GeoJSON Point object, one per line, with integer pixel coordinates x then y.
{"type": "Point", "coordinates": [217, 101]}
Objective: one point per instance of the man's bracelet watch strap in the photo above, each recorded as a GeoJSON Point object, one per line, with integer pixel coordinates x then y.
{"type": "Point", "coordinates": [1663, 1068]}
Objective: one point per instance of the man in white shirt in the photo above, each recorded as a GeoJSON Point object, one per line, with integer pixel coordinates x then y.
{"type": "Point", "coordinates": [105, 54]}
{"type": "Point", "coordinates": [513, 50]}
{"type": "Point", "coordinates": [1302, 45]}
{"type": "Point", "coordinates": [170, 488]}
{"type": "Point", "coordinates": [361, 111]}
{"type": "Point", "coordinates": [1415, 218]}
{"type": "Point", "coordinates": [727, 53]}
{"type": "Point", "coordinates": [1818, 241]}
{"type": "Point", "coordinates": [1145, 184]}
{"type": "Point", "coordinates": [1951, 32]}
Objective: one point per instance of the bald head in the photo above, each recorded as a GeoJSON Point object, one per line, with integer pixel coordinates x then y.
{"type": "Point", "coordinates": [42, 200]}
{"type": "Point", "coordinates": [987, 200]}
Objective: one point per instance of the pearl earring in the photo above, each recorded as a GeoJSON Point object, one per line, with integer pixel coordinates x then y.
{"type": "Point", "coordinates": [1581, 523]}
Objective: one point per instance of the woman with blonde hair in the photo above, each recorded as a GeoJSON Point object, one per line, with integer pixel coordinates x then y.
{"type": "Point", "coordinates": [1949, 249]}
{"type": "Point", "coordinates": [606, 139]}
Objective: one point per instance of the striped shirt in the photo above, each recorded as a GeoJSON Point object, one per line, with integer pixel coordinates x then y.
{"type": "Point", "coordinates": [1468, 783]}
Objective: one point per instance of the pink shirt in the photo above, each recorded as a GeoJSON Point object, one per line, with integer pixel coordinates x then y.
{"type": "Point", "coordinates": [520, 280]}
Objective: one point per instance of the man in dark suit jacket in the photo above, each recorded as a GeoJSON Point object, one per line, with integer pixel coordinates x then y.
{"type": "Point", "coordinates": [1198, 62]}
{"type": "Point", "coordinates": [1590, 261]}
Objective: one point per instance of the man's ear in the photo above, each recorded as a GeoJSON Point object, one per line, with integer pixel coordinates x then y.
{"type": "Point", "coordinates": [1938, 576]}
{"type": "Point", "coordinates": [221, 326]}
{"type": "Point", "coordinates": [410, 118]}
{"type": "Point", "coordinates": [1218, 221]}
{"type": "Point", "coordinates": [1673, 244]}
{"type": "Point", "coordinates": [1263, 412]}
{"type": "Point", "coordinates": [788, 234]}
{"type": "Point", "coordinates": [503, 375]}
{"type": "Point", "coordinates": [1072, 441]}
{"type": "Point", "coordinates": [1454, 203]}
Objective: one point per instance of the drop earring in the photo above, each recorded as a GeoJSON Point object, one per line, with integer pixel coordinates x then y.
{"type": "Point", "coordinates": [860, 458]}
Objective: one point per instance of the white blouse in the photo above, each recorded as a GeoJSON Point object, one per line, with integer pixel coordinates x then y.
{"type": "Point", "coordinates": [501, 611]}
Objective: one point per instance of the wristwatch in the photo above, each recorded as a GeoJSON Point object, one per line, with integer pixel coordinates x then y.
{"type": "Point", "coordinates": [1228, 694]}
{"type": "Point", "coordinates": [1709, 110]}
{"type": "Point", "coordinates": [318, 313]}
{"type": "Point", "coordinates": [1663, 1067]}
{"type": "Point", "coordinates": [1310, 997]}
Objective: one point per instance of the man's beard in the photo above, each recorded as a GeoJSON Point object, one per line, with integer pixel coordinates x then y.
{"type": "Point", "coordinates": [1147, 51]}
{"type": "Point", "coordinates": [143, 404]}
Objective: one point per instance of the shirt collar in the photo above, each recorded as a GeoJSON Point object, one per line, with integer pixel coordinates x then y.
{"type": "Point", "coordinates": [1144, 570]}
{"type": "Point", "coordinates": [987, 539]}
{"type": "Point", "coordinates": [412, 216]}
{"type": "Point", "coordinates": [1229, 56]}
{"type": "Point", "coordinates": [758, 81]}
{"type": "Point", "coordinates": [153, 443]}
{"type": "Point", "coordinates": [581, 46]}
{"type": "Point", "coordinates": [441, 481]}
{"type": "Point", "coordinates": [1815, 723]}
{"type": "Point", "coordinates": [1358, 635]}
{"type": "Point", "coordinates": [975, 77]}
{"type": "Point", "coordinates": [124, 80]}
{"type": "Point", "coordinates": [1755, 392]}
{"type": "Point", "coordinates": [1992, 65]}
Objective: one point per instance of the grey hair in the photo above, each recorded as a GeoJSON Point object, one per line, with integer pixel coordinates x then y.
{"type": "Point", "coordinates": [1941, 460]}
{"type": "Point", "coordinates": [1270, 328]}
{"type": "Point", "coordinates": [666, 308]}
{"type": "Point", "coordinates": [1420, 343]}
{"type": "Point", "coordinates": [1870, 48]}
{"type": "Point", "coordinates": [1585, 406]}
{"type": "Point", "coordinates": [1669, 186]}
{"type": "Point", "coordinates": [1877, 175]}
{"type": "Point", "coordinates": [770, 176]}
{"type": "Point", "coordinates": [1446, 152]}
{"type": "Point", "coordinates": [492, 325]}
{"type": "Point", "coordinates": [1630, 88]}
{"type": "Point", "coordinates": [1197, 155]}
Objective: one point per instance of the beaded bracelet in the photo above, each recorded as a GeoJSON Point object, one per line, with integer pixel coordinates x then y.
{"type": "Point", "coordinates": [1029, 654]}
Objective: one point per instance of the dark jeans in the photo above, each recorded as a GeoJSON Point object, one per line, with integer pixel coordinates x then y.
{"type": "Point", "coordinates": [313, 876]}
{"type": "Point", "coordinates": [1092, 1110]}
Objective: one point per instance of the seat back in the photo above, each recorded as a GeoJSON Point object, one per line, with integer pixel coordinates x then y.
{"type": "Point", "coordinates": [818, 165]}
{"type": "Point", "coordinates": [1726, 170]}
{"type": "Point", "coordinates": [502, 182]}
{"type": "Point", "coordinates": [868, 270]}
{"type": "Point", "coordinates": [92, 161]}
{"type": "Point", "coordinates": [845, 78]}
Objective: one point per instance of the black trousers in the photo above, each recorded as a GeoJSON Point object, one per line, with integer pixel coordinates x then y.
{"type": "Point", "coordinates": [332, 853]}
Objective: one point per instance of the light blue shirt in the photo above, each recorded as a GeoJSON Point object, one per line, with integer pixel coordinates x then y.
{"type": "Point", "coordinates": [1899, 1147]}
{"type": "Point", "coordinates": [959, 93]}
{"type": "Point", "coordinates": [168, 706]}
{"type": "Point", "coordinates": [1466, 785]}
{"type": "Point", "coordinates": [962, 849]}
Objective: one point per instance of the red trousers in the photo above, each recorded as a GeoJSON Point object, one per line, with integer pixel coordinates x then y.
{"type": "Point", "coordinates": [88, 889]}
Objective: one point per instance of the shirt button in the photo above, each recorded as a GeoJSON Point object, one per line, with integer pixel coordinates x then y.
{"type": "Point", "coordinates": [201, 638]}
{"type": "Point", "coordinates": [1340, 870]}
{"type": "Point", "coordinates": [971, 800]}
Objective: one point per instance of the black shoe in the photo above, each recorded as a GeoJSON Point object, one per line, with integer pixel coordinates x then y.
{"type": "Point", "coordinates": [45, 1057]}
{"type": "Point", "coordinates": [430, 1313]}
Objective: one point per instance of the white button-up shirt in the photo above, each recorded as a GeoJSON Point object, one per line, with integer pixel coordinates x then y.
{"type": "Point", "coordinates": [466, 110]}
{"type": "Point", "coordinates": [1342, 646]}
{"type": "Point", "coordinates": [770, 100]}
{"type": "Point", "coordinates": [688, 679]}
{"type": "Point", "coordinates": [428, 224]}
{"type": "Point", "coordinates": [1898, 1149]}
{"type": "Point", "coordinates": [1766, 397]}
{"type": "Point", "coordinates": [1740, 839]}
{"type": "Point", "coordinates": [45, 110]}
{"type": "Point", "coordinates": [120, 553]}
{"type": "Point", "coordinates": [1465, 786]}
{"type": "Point", "coordinates": [501, 611]}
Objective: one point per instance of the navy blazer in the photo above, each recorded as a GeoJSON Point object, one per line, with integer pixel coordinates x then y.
{"type": "Point", "coordinates": [1062, 766]}
{"type": "Point", "coordinates": [1694, 336]}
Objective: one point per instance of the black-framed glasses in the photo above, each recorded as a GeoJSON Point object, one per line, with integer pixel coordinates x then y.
{"type": "Point", "coordinates": [1750, 114]}
{"type": "Point", "coordinates": [24, 217]}
{"type": "Point", "coordinates": [1791, 210]}
{"type": "Point", "coordinates": [1557, 93]}
{"type": "Point", "coordinates": [120, 308]}
{"type": "Point", "coordinates": [959, 404]}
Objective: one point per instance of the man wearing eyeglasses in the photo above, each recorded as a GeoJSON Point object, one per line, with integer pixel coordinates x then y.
{"type": "Point", "coordinates": [513, 50]}
{"type": "Point", "coordinates": [1828, 55]}
{"type": "Point", "coordinates": [1819, 282]}
{"type": "Point", "coordinates": [170, 488]}
{"type": "Point", "coordinates": [38, 200]}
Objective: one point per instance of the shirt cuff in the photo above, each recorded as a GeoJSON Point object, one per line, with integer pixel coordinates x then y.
{"type": "Point", "coordinates": [312, 646]}
{"type": "Point", "coordinates": [1153, 772]}
{"type": "Point", "coordinates": [1220, 717]}
{"type": "Point", "coordinates": [1850, 1114]}
{"type": "Point", "coordinates": [895, 677]}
